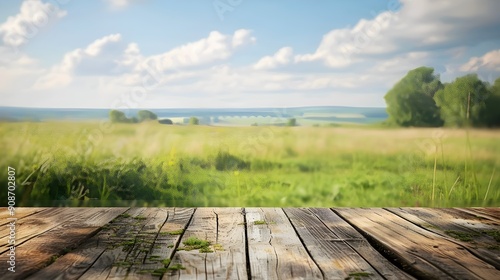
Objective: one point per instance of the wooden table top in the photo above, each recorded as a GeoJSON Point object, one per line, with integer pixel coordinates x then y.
{"type": "Point", "coordinates": [251, 243]}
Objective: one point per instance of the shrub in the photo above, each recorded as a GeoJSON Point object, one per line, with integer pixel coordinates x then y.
{"type": "Point", "coordinates": [291, 122]}
{"type": "Point", "coordinates": [194, 121]}
{"type": "Point", "coordinates": [165, 121]}
{"type": "Point", "coordinates": [226, 161]}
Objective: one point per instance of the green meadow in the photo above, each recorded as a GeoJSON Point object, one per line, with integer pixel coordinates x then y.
{"type": "Point", "coordinates": [102, 163]}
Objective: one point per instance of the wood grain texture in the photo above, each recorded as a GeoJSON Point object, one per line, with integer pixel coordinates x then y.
{"type": "Point", "coordinates": [488, 213]}
{"type": "Point", "coordinates": [256, 243]}
{"type": "Point", "coordinates": [224, 229]}
{"type": "Point", "coordinates": [335, 258]}
{"type": "Point", "coordinates": [119, 244]}
{"type": "Point", "coordinates": [19, 213]}
{"type": "Point", "coordinates": [137, 255]}
{"type": "Point", "coordinates": [38, 223]}
{"type": "Point", "coordinates": [355, 240]}
{"type": "Point", "coordinates": [458, 227]}
{"type": "Point", "coordinates": [167, 240]}
{"type": "Point", "coordinates": [38, 251]}
{"type": "Point", "coordinates": [428, 254]}
{"type": "Point", "coordinates": [275, 250]}
{"type": "Point", "coordinates": [73, 264]}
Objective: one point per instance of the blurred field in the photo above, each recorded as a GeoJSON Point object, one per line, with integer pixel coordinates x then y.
{"type": "Point", "coordinates": [92, 163]}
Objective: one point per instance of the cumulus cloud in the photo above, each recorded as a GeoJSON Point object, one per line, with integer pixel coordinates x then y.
{"type": "Point", "coordinates": [489, 61]}
{"type": "Point", "coordinates": [216, 46]}
{"type": "Point", "coordinates": [108, 56]}
{"type": "Point", "coordinates": [89, 59]}
{"type": "Point", "coordinates": [242, 37]}
{"type": "Point", "coordinates": [282, 57]}
{"type": "Point", "coordinates": [416, 26]}
{"type": "Point", "coordinates": [33, 15]}
{"type": "Point", "coordinates": [352, 65]}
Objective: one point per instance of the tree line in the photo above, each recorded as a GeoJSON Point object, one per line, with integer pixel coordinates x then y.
{"type": "Point", "coordinates": [120, 117]}
{"type": "Point", "coordinates": [420, 99]}
{"type": "Point", "coordinates": [117, 116]}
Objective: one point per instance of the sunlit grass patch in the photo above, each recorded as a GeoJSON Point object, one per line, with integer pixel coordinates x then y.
{"type": "Point", "coordinates": [63, 163]}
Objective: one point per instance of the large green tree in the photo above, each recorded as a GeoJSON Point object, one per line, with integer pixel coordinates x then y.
{"type": "Point", "coordinates": [463, 101]}
{"type": "Point", "coordinates": [118, 116]}
{"type": "Point", "coordinates": [144, 115]}
{"type": "Point", "coordinates": [410, 101]}
{"type": "Point", "coordinates": [492, 117]}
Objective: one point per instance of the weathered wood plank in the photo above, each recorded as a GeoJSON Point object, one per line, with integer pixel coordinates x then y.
{"type": "Point", "coordinates": [335, 258]}
{"type": "Point", "coordinates": [224, 229]}
{"type": "Point", "coordinates": [19, 213]}
{"type": "Point", "coordinates": [427, 253]}
{"type": "Point", "coordinates": [354, 239]}
{"type": "Point", "coordinates": [472, 220]}
{"type": "Point", "coordinates": [134, 259]}
{"type": "Point", "coordinates": [38, 251]}
{"type": "Point", "coordinates": [73, 264]}
{"type": "Point", "coordinates": [275, 251]}
{"type": "Point", "coordinates": [165, 243]}
{"type": "Point", "coordinates": [492, 211]}
{"type": "Point", "coordinates": [461, 228]}
{"type": "Point", "coordinates": [113, 260]}
{"type": "Point", "coordinates": [38, 223]}
{"type": "Point", "coordinates": [489, 213]}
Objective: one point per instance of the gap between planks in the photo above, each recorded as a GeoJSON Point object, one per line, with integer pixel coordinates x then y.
{"type": "Point", "coordinates": [260, 243]}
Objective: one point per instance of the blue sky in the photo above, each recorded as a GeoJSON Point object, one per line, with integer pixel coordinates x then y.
{"type": "Point", "coordinates": [235, 53]}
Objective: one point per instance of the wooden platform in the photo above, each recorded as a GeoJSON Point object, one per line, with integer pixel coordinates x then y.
{"type": "Point", "coordinates": [253, 243]}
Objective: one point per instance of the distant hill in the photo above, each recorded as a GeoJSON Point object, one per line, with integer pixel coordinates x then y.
{"type": "Point", "coordinates": [221, 116]}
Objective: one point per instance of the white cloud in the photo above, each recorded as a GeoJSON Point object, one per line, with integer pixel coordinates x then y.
{"type": "Point", "coordinates": [402, 63]}
{"type": "Point", "coordinates": [282, 57]}
{"type": "Point", "coordinates": [337, 46]}
{"type": "Point", "coordinates": [242, 37]}
{"type": "Point", "coordinates": [96, 47]}
{"type": "Point", "coordinates": [33, 15]}
{"type": "Point", "coordinates": [489, 61]}
{"type": "Point", "coordinates": [417, 26]}
{"type": "Point", "coordinates": [216, 46]}
{"type": "Point", "coordinates": [62, 74]}
{"type": "Point", "coordinates": [16, 70]}
{"type": "Point", "coordinates": [108, 56]}
{"type": "Point", "coordinates": [370, 56]}
{"type": "Point", "coordinates": [132, 54]}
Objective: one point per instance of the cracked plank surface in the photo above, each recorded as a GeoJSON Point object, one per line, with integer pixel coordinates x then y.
{"type": "Point", "coordinates": [275, 250]}
{"type": "Point", "coordinates": [34, 254]}
{"type": "Point", "coordinates": [492, 213]}
{"type": "Point", "coordinates": [225, 257]}
{"type": "Point", "coordinates": [347, 234]}
{"type": "Point", "coordinates": [336, 259]}
{"type": "Point", "coordinates": [462, 228]}
{"type": "Point", "coordinates": [429, 255]}
{"type": "Point", "coordinates": [166, 242]}
{"type": "Point", "coordinates": [19, 213]}
{"type": "Point", "coordinates": [123, 237]}
{"type": "Point", "coordinates": [255, 243]}
{"type": "Point", "coordinates": [31, 226]}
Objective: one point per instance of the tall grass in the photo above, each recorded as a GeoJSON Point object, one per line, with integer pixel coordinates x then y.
{"type": "Point", "coordinates": [152, 164]}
